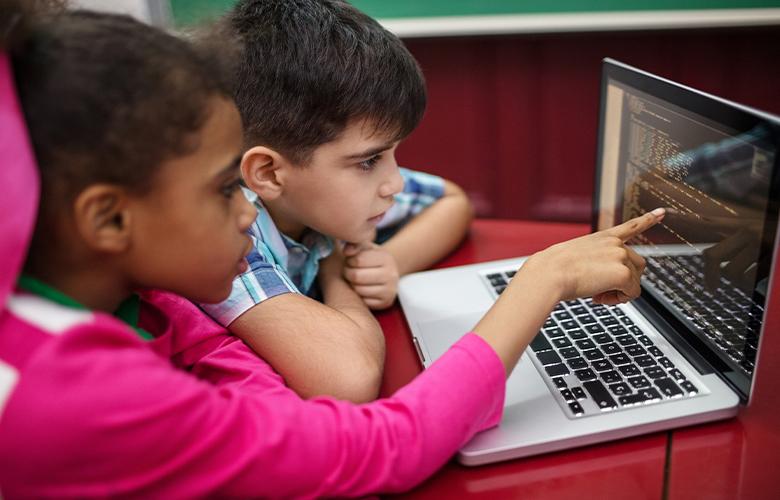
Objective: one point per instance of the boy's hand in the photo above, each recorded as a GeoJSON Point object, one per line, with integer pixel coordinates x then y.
{"type": "Point", "coordinates": [372, 272]}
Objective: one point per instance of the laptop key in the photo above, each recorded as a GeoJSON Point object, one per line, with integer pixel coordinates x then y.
{"type": "Point", "coordinates": [561, 342]}
{"type": "Point", "coordinates": [610, 377]}
{"type": "Point", "coordinates": [645, 340]}
{"type": "Point", "coordinates": [554, 332]}
{"type": "Point", "coordinates": [600, 395]}
{"type": "Point", "coordinates": [644, 361]}
{"type": "Point", "coordinates": [666, 363]}
{"type": "Point", "coordinates": [620, 359]}
{"type": "Point", "coordinates": [497, 280]}
{"type": "Point", "coordinates": [617, 330]}
{"type": "Point", "coordinates": [611, 348]}
{"type": "Point", "coordinates": [620, 389]}
{"type": "Point", "coordinates": [577, 363]}
{"type": "Point", "coordinates": [688, 387]}
{"type": "Point", "coordinates": [569, 324]}
{"type": "Point", "coordinates": [630, 400]}
{"type": "Point", "coordinates": [639, 382]}
{"type": "Point", "coordinates": [592, 354]}
{"type": "Point", "coordinates": [578, 393]}
{"type": "Point", "coordinates": [594, 328]}
{"type": "Point", "coordinates": [567, 395]}
{"type": "Point", "coordinates": [585, 374]}
{"type": "Point", "coordinates": [636, 350]}
{"type": "Point", "coordinates": [540, 343]}
{"type": "Point", "coordinates": [585, 344]}
{"type": "Point", "coordinates": [625, 340]}
{"type": "Point", "coordinates": [577, 334]}
{"type": "Point", "coordinates": [677, 375]}
{"type": "Point", "coordinates": [560, 383]}
{"type": "Point", "coordinates": [655, 372]}
{"type": "Point", "coordinates": [629, 370]}
{"type": "Point", "coordinates": [576, 408]}
{"type": "Point", "coordinates": [601, 365]}
{"type": "Point", "coordinates": [649, 394]}
{"type": "Point", "coordinates": [668, 387]}
{"type": "Point", "coordinates": [602, 338]}
{"type": "Point", "coordinates": [548, 357]}
{"type": "Point", "coordinates": [557, 369]}
{"type": "Point", "coordinates": [609, 321]}
{"type": "Point", "coordinates": [569, 352]}
{"type": "Point", "coordinates": [655, 351]}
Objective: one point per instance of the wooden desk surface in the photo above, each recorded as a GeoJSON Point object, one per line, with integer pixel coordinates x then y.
{"type": "Point", "coordinates": [735, 459]}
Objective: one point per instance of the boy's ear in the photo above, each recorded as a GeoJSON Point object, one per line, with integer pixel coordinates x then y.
{"type": "Point", "coordinates": [262, 169]}
{"type": "Point", "coordinates": [102, 218]}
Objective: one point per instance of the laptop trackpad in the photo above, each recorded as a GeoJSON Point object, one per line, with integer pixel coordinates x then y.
{"type": "Point", "coordinates": [524, 385]}
{"type": "Point", "coordinates": [438, 335]}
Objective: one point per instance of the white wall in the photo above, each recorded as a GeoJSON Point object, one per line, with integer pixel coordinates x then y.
{"type": "Point", "coordinates": [150, 11]}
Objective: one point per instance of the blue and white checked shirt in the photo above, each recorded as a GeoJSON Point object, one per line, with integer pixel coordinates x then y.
{"type": "Point", "coordinates": [278, 264]}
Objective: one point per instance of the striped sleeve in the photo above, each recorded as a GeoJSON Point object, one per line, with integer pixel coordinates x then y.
{"type": "Point", "coordinates": [262, 280]}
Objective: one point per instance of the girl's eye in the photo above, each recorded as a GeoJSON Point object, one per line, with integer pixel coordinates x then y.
{"type": "Point", "coordinates": [368, 165]}
{"type": "Point", "coordinates": [228, 190]}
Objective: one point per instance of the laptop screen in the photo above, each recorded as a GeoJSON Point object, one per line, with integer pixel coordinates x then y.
{"type": "Point", "coordinates": [712, 164]}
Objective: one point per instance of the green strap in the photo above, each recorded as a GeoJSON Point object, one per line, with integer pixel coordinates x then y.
{"type": "Point", "coordinates": [128, 310]}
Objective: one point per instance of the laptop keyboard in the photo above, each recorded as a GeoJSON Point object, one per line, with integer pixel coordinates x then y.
{"type": "Point", "coordinates": [728, 318]}
{"type": "Point", "coordinates": [598, 360]}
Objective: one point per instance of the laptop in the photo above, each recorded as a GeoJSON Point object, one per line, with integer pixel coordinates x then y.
{"type": "Point", "coordinates": [683, 353]}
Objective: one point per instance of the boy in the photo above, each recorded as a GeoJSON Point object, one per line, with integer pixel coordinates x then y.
{"type": "Point", "coordinates": [326, 94]}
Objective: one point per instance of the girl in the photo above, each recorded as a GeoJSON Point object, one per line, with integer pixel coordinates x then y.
{"type": "Point", "coordinates": [137, 145]}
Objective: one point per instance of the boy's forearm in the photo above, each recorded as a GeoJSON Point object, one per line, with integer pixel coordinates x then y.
{"type": "Point", "coordinates": [433, 233]}
{"type": "Point", "coordinates": [339, 296]}
{"type": "Point", "coordinates": [317, 348]}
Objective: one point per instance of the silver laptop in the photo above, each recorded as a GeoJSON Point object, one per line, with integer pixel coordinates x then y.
{"type": "Point", "coordinates": [685, 352]}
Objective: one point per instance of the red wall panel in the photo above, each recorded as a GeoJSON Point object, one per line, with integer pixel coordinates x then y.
{"type": "Point", "coordinates": [513, 119]}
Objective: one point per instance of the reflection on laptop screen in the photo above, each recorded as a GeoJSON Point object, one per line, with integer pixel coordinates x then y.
{"type": "Point", "coordinates": [708, 262]}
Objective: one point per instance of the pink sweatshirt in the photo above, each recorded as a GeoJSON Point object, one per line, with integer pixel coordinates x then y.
{"type": "Point", "coordinates": [89, 409]}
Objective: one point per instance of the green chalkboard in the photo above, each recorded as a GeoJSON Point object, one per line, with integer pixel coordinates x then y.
{"type": "Point", "coordinates": [192, 11]}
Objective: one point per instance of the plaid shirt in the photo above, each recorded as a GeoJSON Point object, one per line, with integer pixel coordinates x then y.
{"type": "Point", "coordinates": [278, 264]}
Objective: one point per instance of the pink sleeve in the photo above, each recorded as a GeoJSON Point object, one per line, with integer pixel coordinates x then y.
{"type": "Point", "coordinates": [148, 429]}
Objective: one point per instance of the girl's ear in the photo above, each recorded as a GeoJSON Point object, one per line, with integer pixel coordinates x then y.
{"type": "Point", "coordinates": [102, 218]}
{"type": "Point", "coordinates": [262, 169]}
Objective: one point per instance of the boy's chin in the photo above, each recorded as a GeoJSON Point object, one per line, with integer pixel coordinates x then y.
{"type": "Point", "coordinates": [362, 236]}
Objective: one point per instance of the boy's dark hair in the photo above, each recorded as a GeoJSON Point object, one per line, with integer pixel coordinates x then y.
{"type": "Point", "coordinates": [309, 67]}
{"type": "Point", "coordinates": [106, 98]}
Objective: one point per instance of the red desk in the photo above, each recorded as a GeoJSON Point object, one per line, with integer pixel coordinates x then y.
{"type": "Point", "coordinates": [735, 459]}
{"type": "Point", "coordinates": [631, 468]}
{"type": "Point", "coordinates": [739, 458]}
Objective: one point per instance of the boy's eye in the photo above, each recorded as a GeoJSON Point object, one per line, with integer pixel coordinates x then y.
{"type": "Point", "coordinates": [369, 164]}
{"type": "Point", "coordinates": [228, 190]}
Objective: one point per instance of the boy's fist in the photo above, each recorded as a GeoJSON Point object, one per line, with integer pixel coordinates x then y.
{"type": "Point", "coordinates": [372, 272]}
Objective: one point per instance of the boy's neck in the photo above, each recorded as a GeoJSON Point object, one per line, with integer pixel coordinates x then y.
{"type": "Point", "coordinates": [286, 224]}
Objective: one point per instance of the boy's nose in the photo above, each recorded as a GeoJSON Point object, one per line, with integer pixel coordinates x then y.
{"type": "Point", "coordinates": [393, 185]}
